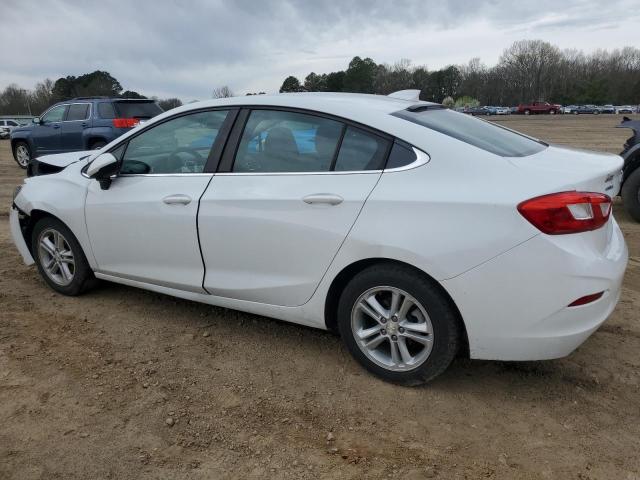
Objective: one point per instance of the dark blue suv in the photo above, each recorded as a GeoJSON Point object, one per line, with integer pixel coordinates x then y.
{"type": "Point", "coordinates": [84, 123]}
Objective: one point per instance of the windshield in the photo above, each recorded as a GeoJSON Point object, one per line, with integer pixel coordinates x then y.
{"type": "Point", "coordinates": [137, 109]}
{"type": "Point", "coordinates": [479, 133]}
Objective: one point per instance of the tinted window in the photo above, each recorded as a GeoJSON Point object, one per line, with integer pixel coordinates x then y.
{"type": "Point", "coordinates": [78, 111]}
{"type": "Point", "coordinates": [400, 156]}
{"type": "Point", "coordinates": [275, 141]}
{"type": "Point", "coordinates": [137, 109]}
{"type": "Point", "coordinates": [11, 123]}
{"type": "Point", "coordinates": [55, 114]}
{"type": "Point", "coordinates": [479, 133]}
{"type": "Point", "coordinates": [180, 145]}
{"type": "Point", "coordinates": [105, 110]}
{"type": "Point", "coordinates": [361, 151]}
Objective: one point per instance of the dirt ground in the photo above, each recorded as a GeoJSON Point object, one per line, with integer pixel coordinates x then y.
{"type": "Point", "coordinates": [88, 384]}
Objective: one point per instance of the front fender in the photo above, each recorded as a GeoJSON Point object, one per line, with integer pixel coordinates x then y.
{"type": "Point", "coordinates": [63, 196]}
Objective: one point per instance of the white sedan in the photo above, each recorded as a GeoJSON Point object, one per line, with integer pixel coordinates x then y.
{"type": "Point", "coordinates": [416, 232]}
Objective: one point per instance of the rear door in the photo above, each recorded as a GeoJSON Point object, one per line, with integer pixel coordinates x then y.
{"type": "Point", "coordinates": [46, 134]}
{"type": "Point", "coordinates": [271, 222]}
{"type": "Point", "coordinates": [76, 121]}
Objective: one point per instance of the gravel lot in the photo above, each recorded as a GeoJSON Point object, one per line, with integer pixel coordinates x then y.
{"type": "Point", "coordinates": [126, 384]}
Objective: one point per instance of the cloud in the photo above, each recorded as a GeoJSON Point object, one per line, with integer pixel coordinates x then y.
{"type": "Point", "coordinates": [184, 49]}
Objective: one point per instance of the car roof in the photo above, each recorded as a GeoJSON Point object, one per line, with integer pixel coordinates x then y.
{"type": "Point", "coordinates": [367, 109]}
{"type": "Point", "coordinates": [329, 102]}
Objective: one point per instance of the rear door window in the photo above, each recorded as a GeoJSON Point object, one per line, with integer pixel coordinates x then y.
{"type": "Point", "coordinates": [78, 111]}
{"type": "Point", "coordinates": [479, 133]}
{"type": "Point", "coordinates": [280, 141]}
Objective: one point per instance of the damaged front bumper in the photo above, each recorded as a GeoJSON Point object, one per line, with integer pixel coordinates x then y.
{"type": "Point", "coordinates": [18, 238]}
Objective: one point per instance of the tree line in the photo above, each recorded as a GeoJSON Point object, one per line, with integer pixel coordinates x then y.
{"type": "Point", "coordinates": [15, 100]}
{"type": "Point", "coordinates": [528, 70]}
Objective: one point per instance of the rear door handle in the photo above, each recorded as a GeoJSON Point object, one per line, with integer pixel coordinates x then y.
{"type": "Point", "coordinates": [56, 125]}
{"type": "Point", "coordinates": [177, 199]}
{"type": "Point", "coordinates": [328, 198]}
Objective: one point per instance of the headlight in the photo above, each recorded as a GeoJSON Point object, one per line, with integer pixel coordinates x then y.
{"type": "Point", "coordinates": [16, 192]}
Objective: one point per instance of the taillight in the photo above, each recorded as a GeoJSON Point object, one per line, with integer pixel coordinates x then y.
{"type": "Point", "coordinates": [567, 212]}
{"type": "Point", "coordinates": [125, 122]}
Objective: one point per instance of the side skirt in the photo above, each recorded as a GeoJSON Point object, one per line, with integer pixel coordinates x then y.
{"type": "Point", "coordinates": [299, 315]}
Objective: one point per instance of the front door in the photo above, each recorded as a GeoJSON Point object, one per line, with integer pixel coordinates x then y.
{"type": "Point", "coordinates": [46, 134]}
{"type": "Point", "coordinates": [270, 227]}
{"type": "Point", "coordinates": [144, 226]}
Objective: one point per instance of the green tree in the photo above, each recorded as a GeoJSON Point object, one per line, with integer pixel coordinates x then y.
{"type": "Point", "coordinates": [131, 94]}
{"type": "Point", "coordinates": [169, 103]}
{"type": "Point", "coordinates": [335, 81]}
{"type": "Point", "coordinates": [315, 83]}
{"type": "Point", "coordinates": [291, 84]}
{"type": "Point", "coordinates": [360, 76]}
{"type": "Point", "coordinates": [98, 83]}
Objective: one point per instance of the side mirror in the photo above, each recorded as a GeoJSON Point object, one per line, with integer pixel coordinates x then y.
{"type": "Point", "coordinates": [37, 120]}
{"type": "Point", "coordinates": [102, 168]}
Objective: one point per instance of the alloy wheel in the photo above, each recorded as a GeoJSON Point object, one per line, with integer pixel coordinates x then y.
{"type": "Point", "coordinates": [392, 328]}
{"type": "Point", "coordinates": [56, 257]}
{"type": "Point", "coordinates": [22, 155]}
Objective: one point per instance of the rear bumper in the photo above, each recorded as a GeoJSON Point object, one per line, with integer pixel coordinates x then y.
{"type": "Point", "coordinates": [515, 306]}
{"type": "Point", "coordinates": [18, 239]}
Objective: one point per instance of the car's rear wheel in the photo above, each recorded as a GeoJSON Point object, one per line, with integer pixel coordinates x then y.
{"type": "Point", "coordinates": [398, 324]}
{"type": "Point", "coordinates": [527, 112]}
{"type": "Point", "coordinates": [22, 154]}
{"type": "Point", "coordinates": [59, 257]}
{"type": "Point", "coordinates": [631, 195]}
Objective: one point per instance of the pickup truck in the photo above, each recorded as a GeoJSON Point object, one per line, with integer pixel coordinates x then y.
{"type": "Point", "coordinates": [539, 107]}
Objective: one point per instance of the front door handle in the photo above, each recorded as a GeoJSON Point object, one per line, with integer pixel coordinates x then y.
{"type": "Point", "coordinates": [55, 125]}
{"type": "Point", "coordinates": [328, 198]}
{"type": "Point", "coordinates": [177, 199]}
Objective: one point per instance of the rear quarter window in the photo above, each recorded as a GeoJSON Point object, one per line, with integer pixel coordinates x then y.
{"type": "Point", "coordinates": [479, 133]}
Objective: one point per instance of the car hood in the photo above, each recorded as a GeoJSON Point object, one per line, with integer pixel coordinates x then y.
{"type": "Point", "coordinates": [63, 159]}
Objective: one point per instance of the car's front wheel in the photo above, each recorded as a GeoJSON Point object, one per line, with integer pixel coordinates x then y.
{"type": "Point", "coordinates": [398, 324]}
{"type": "Point", "coordinates": [22, 154]}
{"type": "Point", "coordinates": [59, 257]}
{"type": "Point", "coordinates": [631, 194]}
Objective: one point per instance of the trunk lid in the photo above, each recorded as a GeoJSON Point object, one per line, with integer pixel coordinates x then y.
{"type": "Point", "coordinates": [574, 169]}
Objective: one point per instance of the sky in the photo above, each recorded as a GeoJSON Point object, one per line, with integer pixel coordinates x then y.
{"type": "Point", "coordinates": [186, 48]}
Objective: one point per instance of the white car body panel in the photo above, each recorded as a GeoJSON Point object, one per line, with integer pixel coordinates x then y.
{"type": "Point", "coordinates": [262, 242]}
{"type": "Point", "coordinates": [135, 234]}
{"type": "Point", "coordinates": [453, 218]}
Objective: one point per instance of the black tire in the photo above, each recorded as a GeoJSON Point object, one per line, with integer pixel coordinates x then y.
{"type": "Point", "coordinates": [82, 278]}
{"type": "Point", "coordinates": [631, 194]}
{"type": "Point", "coordinates": [97, 144]}
{"type": "Point", "coordinates": [21, 145]}
{"type": "Point", "coordinates": [447, 329]}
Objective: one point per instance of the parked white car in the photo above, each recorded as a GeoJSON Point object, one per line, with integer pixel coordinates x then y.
{"type": "Point", "coordinates": [415, 231]}
{"type": "Point", "coordinates": [6, 126]}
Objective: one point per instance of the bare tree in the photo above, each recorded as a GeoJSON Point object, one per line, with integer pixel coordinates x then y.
{"type": "Point", "coordinates": [222, 92]}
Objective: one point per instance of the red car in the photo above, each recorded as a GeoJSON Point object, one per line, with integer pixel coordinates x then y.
{"type": "Point", "coordinates": [538, 107]}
